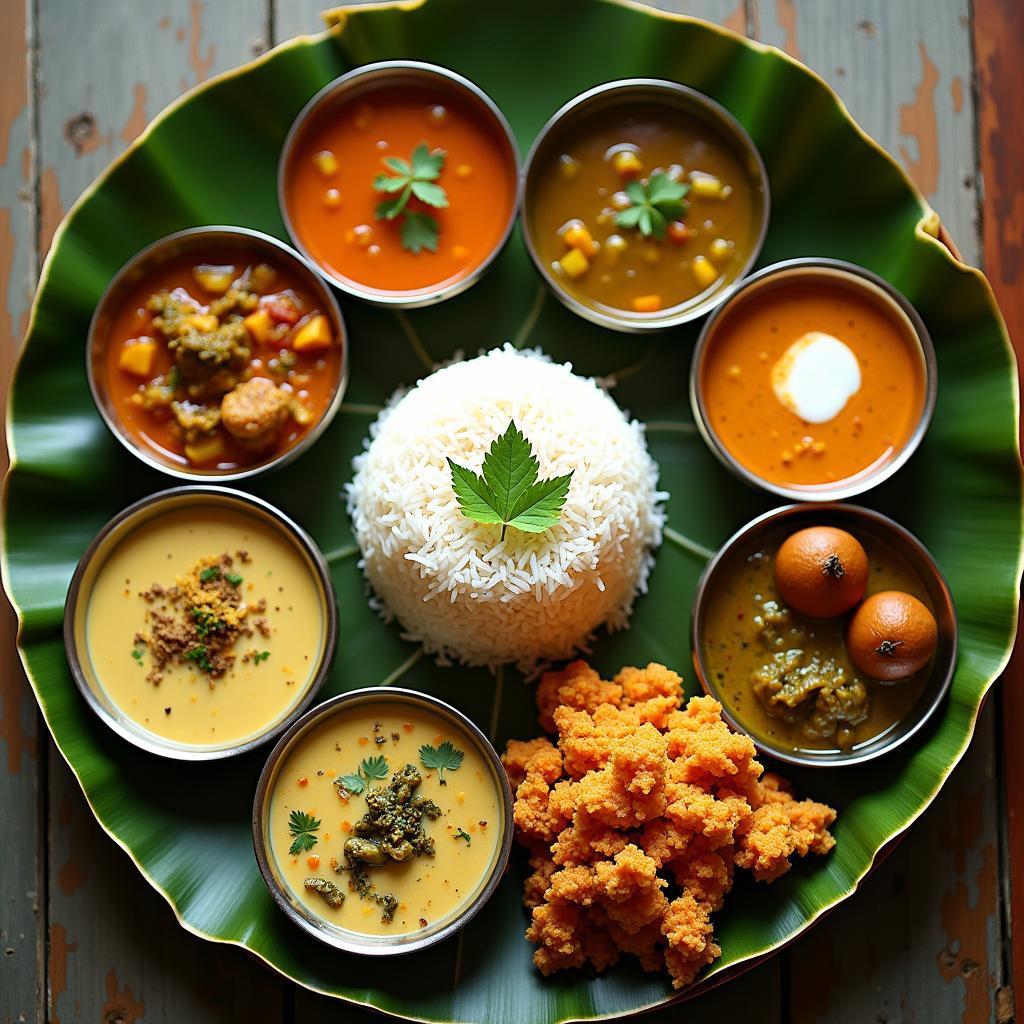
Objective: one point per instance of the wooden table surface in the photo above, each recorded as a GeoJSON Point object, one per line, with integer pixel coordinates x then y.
{"type": "Point", "coordinates": [84, 938]}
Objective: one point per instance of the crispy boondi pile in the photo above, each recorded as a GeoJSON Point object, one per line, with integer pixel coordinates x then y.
{"type": "Point", "coordinates": [638, 817]}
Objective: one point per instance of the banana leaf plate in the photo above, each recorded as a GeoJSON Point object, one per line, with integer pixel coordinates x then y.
{"type": "Point", "coordinates": [212, 158]}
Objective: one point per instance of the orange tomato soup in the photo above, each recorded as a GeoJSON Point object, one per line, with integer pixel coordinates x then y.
{"type": "Point", "coordinates": [332, 204]}
{"type": "Point", "coordinates": [171, 403]}
{"type": "Point", "coordinates": [767, 437]}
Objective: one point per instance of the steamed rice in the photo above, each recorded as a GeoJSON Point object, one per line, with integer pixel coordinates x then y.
{"type": "Point", "coordinates": [453, 585]}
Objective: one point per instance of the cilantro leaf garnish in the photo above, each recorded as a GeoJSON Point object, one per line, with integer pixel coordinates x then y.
{"type": "Point", "coordinates": [206, 623]}
{"type": "Point", "coordinates": [509, 492]}
{"type": "Point", "coordinates": [370, 769]}
{"type": "Point", "coordinates": [211, 572]}
{"type": "Point", "coordinates": [353, 783]}
{"type": "Point", "coordinates": [413, 179]}
{"type": "Point", "coordinates": [374, 767]}
{"type": "Point", "coordinates": [233, 578]}
{"type": "Point", "coordinates": [137, 654]}
{"type": "Point", "coordinates": [198, 655]}
{"type": "Point", "coordinates": [302, 826]}
{"type": "Point", "coordinates": [462, 834]}
{"type": "Point", "coordinates": [260, 656]}
{"type": "Point", "coordinates": [653, 205]}
{"type": "Point", "coordinates": [442, 758]}
{"type": "Point", "coordinates": [419, 232]}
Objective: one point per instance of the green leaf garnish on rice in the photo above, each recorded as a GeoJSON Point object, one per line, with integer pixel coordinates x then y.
{"type": "Point", "coordinates": [509, 492]}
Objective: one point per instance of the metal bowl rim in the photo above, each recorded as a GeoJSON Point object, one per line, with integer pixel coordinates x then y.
{"type": "Point", "coordinates": [425, 296]}
{"type": "Point", "coordinates": [853, 485]}
{"type": "Point", "coordinates": [923, 562]}
{"type": "Point", "coordinates": [601, 316]}
{"type": "Point", "coordinates": [261, 803]}
{"type": "Point", "coordinates": [239, 234]}
{"type": "Point", "coordinates": [152, 744]}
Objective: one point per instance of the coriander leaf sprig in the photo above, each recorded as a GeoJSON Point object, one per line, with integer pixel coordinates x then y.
{"type": "Point", "coordinates": [442, 758]}
{"type": "Point", "coordinates": [415, 178]}
{"type": "Point", "coordinates": [653, 205]}
{"type": "Point", "coordinates": [302, 827]}
{"type": "Point", "coordinates": [370, 769]}
{"type": "Point", "coordinates": [509, 492]}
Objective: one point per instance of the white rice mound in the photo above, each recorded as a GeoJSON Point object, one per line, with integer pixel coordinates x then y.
{"type": "Point", "coordinates": [454, 586]}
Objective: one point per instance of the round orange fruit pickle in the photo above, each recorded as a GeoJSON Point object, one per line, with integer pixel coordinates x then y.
{"type": "Point", "coordinates": [821, 571]}
{"type": "Point", "coordinates": [891, 636]}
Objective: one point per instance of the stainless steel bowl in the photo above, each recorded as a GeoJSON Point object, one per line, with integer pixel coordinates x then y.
{"type": "Point", "coordinates": [360, 81]}
{"type": "Point", "coordinates": [341, 938]}
{"type": "Point", "coordinates": [77, 604]}
{"type": "Point", "coordinates": [197, 240]}
{"type": "Point", "coordinates": [865, 283]}
{"type": "Point", "coordinates": [863, 522]}
{"type": "Point", "coordinates": [673, 97]}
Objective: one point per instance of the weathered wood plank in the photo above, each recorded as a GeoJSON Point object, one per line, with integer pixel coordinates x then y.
{"type": "Point", "coordinates": [22, 949]}
{"type": "Point", "coordinates": [920, 941]}
{"type": "Point", "coordinates": [904, 70]}
{"type": "Point", "coordinates": [923, 940]}
{"type": "Point", "coordinates": [115, 950]}
{"type": "Point", "coordinates": [95, 99]}
{"type": "Point", "coordinates": [999, 56]}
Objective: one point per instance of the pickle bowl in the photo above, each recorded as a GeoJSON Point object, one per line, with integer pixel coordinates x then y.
{"type": "Point", "coordinates": [871, 527]}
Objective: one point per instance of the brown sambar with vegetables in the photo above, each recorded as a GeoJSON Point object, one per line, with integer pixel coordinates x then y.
{"type": "Point", "coordinates": [642, 208]}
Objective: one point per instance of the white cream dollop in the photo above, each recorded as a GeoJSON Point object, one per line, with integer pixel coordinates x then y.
{"type": "Point", "coordinates": [816, 376]}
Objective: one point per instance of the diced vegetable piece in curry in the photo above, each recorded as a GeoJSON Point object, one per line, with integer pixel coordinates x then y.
{"type": "Point", "coordinates": [574, 264]}
{"type": "Point", "coordinates": [259, 325]}
{"type": "Point", "coordinates": [314, 334]}
{"type": "Point", "coordinates": [720, 249]}
{"type": "Point", "coordinates": [576, 236]}
{"type": "Point", "coordinates": [627, 164]}
{"type": "Point", "coordinates": [706, 185]}
{"type": "Point", "coordinates": [204, 451]}
{"type": "Point", "coordinates": [137, 356]}
{"type": "Point", "coordinates": [678, 232]}
{"type": "Point", "coordinates": [647, 303]}
{"type": "Point", "coordinates": [326, 163]}
{"type": "Point", "coordinates": [216, 280]}
{"type": "Point", "coordinates": [704, 271]}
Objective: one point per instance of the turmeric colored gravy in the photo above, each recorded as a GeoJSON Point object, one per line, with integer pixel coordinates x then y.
{"type": "Point", "coordinates": [331, 202]}
{"type": "Point", "coordinates": [743, 360]}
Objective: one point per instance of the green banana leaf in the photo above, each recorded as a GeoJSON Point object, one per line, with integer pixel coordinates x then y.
{"type": "Point", "coordinates": [212, 158]}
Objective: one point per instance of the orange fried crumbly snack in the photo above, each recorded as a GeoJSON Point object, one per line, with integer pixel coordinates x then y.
{"type": "Point", "coordinates": [637, 817]}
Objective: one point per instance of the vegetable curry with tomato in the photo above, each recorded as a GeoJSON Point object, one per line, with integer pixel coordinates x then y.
{"type": "Point", "coordinates": [221, 364]}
